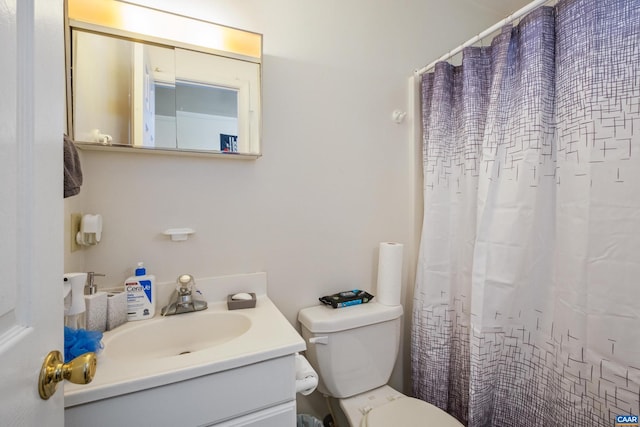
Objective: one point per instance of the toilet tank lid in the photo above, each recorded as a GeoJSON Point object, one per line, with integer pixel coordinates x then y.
{"type": "Point", "coordinates": [323, 319]}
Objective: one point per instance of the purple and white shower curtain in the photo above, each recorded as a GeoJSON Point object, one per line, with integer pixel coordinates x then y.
{"type": "Point", "coordinates": [527, 298]}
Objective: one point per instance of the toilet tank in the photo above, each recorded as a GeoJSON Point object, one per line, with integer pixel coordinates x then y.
{"type": "Point", "coordinates": [353, 349]}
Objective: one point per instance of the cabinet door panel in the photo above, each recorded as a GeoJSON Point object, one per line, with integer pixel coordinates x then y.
{"type": "Point", "coordinates": [278, 416]}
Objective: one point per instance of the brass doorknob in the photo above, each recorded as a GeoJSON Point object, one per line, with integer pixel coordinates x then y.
{"type": "Point", "coordinates": [79, 371]}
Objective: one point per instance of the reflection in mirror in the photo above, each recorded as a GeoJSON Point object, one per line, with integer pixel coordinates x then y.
{"type": "Point", "coordinates": [110, 77]}
{"type": "Point", "coordinates": [207, 116]}
{"type": "Point", "coordinates": [153, 68]}
{"type": "Point", "coordinates": [115, 100]}
{"type": "Point", "coordinates": [217, 102]}
{"type": "Point", "coordinates": [132, 94]}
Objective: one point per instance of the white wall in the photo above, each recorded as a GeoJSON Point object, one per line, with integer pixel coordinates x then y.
{"type": "Point", "coordinates": [337, 175]}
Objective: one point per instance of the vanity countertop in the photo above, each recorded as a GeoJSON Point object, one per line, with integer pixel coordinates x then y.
{"type": "Point", "coordinates": [269, 336]}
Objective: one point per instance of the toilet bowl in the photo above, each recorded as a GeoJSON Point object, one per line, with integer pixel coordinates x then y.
{"type": "Point", "coordinates": [353, 350]}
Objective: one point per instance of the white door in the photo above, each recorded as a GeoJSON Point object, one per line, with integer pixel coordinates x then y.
{"type": "Point", "coordinates": [31, 206]}
{"type": "Point", "coordinates": [143, 103]}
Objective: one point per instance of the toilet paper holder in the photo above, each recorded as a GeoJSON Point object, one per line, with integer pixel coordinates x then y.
{"type": "Point", "coordinates": [306, 376]}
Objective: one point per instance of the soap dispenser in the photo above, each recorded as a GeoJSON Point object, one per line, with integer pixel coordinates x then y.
{"type": "Point", "coordinates": [96, 304]}
{"type": "Point", "coordinates": [91, 288]}
{"type": "Point", "coordinates": [74, 311]}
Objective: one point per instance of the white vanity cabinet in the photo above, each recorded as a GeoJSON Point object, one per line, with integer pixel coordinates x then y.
{"type": "Point", "coordinates": [260, 394]}
{"type": "Point", "coordinates": [216, 367]}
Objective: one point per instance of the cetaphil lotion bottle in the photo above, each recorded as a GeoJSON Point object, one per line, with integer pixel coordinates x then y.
{"type": "Point", "coordinates": [141, 294]}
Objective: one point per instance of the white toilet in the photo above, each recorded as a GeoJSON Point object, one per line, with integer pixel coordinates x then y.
{"type": "Point", "coordinates": [354, 349]}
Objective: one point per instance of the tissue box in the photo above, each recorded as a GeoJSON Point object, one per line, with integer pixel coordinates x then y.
{"type": "Point", "coordinates": [116, 309]}
{"type": "Point", "coordinates": [234, 304]}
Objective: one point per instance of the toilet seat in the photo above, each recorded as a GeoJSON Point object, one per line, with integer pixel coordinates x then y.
{"type": "Point", "coordinates": [408, 412]}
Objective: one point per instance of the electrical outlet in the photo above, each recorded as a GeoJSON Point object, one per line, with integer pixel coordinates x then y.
{"type": "Point", "coordinates": [76, 220]}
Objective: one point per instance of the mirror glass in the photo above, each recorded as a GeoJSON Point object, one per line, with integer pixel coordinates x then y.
{"type": "Point", "coordinates": [132, 94]}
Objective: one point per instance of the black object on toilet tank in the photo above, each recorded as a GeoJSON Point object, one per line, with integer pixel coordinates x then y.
{"type": "Point", "coordinates": [346, 298]}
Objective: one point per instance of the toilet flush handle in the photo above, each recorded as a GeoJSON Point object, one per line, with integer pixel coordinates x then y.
{"type": "Point", "coordinates": [319, 340]}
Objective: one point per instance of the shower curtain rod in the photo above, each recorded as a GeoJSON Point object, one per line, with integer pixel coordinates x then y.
{"type": "Point", "coordinates": [515, 15]}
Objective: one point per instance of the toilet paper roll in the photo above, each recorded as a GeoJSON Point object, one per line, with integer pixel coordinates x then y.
{"type": "Point", "coordinates": [306, 376]}
{"type": "Point", "coordinates": [389, 273]}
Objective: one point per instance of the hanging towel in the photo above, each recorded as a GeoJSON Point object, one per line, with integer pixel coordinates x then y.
{"type": "Point", "coordinates": [72, 169]}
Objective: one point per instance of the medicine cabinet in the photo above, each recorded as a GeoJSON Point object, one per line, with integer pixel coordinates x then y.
{"type": "Point", "coordinates": [145, 80]}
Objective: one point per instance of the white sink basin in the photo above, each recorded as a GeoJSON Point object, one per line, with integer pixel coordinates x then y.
{"type": "Point", "coordinates": [175, 335]}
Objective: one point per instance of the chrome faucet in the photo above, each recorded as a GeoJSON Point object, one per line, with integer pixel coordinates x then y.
{"type": "Point", "coordinates": [184, 301]}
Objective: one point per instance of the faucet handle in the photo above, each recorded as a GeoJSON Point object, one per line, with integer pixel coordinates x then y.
{"type": "Point", "coordinates": [185, 283]}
